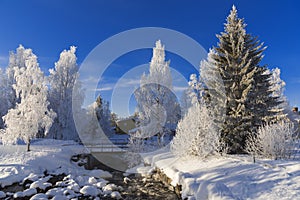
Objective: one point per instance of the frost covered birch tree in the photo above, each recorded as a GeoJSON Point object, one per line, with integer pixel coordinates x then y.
{"type": "Point", "coordinates": [158, 109]}
{"type": "Point", "coordinates": [277, 89]}
{"type": "Point", "coordinates": [196, 134]}
{"type": "Point", "coordinates": [62, 80]}
{"type": "Point", "coordinates": [31, 115]}
{"type": "Point", "coordinates": [191, 95]}
{"type": "Point", "coordinates": [5, 90]}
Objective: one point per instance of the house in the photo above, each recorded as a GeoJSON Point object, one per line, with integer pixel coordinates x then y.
{"type": "Point", "coordinates": [123, 126]}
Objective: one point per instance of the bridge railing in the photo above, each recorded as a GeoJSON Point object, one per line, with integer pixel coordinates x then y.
{"type": "Point", "coordinates": [112, 145]}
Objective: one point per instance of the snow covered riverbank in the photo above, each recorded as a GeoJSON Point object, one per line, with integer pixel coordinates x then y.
{"type": "Point", "coordinates": [49, 159]}
{"type": "Point", "coordinates": [47, 172]}
{"type": "Point", "coordinates": [231, 177]}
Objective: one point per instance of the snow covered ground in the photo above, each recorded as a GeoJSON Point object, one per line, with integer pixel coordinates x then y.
{"type": "Point", "coordinates": [53, 157]}
{"type": "Point", "coordinates": [230, 177]}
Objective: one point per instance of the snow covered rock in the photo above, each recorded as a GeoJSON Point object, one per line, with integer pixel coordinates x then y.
{"type": "Point", "coordinates": [39, 196]}
{"type": "Point", "coordinates": [109, 188]}
{"type": "Point", "coordinates": [55, 191]}
{"type": "Point", "coordinates": [126, 180]}
{"type": "Point", "coordinates": [74, 186]}
{"type": "Point", "coordinates": [90, 191]}
{"type": "Point", "coordinates": [2, 194]}
{"type": "Point", "coordinates": [98, 173]}
{"type": "Point", "coordinates": [31, 178]}
{"type": "Point", "coordinates": [82, 180]}
{"type": "Point", "coordinates": [92, 180]}
{"type": "Point", "coordinates": [18, 195]}
{"type": "Point", "coordinates": [115, 195]}
{"type": "Point", "coordinates": [59, 197]}
{"type": "Point", "coordinates": [29, 192]}
{"type": "Point", "coordinates": [60, 184]}
{"type": "Point", "coordinates": [100, 184]}
{"type": "Point", "coordinates": [40, 185]}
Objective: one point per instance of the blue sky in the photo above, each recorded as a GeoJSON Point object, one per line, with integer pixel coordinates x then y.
{"type": "Point", "coordinates": [48, 27]}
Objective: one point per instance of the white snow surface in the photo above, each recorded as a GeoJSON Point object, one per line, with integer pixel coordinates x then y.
{"type": "Point", "coordinates": [2, 194]}
{"type": "Point", "coordinates": [17, 165]}
{"type": "Point", "coordinates": [90, 190]}
{"type": "Point", "coordinates": [229, 177]}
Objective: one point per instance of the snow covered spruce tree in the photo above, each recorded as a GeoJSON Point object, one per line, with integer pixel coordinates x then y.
{"type": "Point", "coordinates": [30, 117]}
{"type": "Point", "coordinates": [62, 80]}
{"type": "Point", "coordinates": [158, 108]}
{"type": "Point", "coordinates": [196, 134]}
{"type": "Point", "coordinates": [248, 100]}
{"type": "Point", "coordinates": [103, 114]}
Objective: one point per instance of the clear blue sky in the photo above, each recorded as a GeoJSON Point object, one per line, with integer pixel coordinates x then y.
{"type": "Point", "coordinates": [48, 27]}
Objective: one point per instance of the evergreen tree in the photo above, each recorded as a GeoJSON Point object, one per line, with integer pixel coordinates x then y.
{"type": "Point", "coordinates": [236, 59]}
{"type": "Point", "coordinates": [103, 114]}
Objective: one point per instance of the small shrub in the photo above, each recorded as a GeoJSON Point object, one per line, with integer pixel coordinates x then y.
{"type": "Point", "coordinates": [274, 141]}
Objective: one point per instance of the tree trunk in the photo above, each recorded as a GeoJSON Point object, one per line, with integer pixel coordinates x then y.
{"type": "Point", "coordinates": [28, 146]}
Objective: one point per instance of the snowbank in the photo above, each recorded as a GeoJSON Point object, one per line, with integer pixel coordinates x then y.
{"type": "Point", "coordinates": [231, 177]}
{"type": "Point", "coordinates": [52, 156]}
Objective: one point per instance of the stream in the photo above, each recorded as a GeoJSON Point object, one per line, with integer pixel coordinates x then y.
{"type": "Point", "coordinates": [135, 188]}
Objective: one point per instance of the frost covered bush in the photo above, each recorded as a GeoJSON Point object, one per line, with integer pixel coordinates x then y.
{"type": "Point", "coordinates": [273, 141]}
{"type": "Point", "coordinates": [196, 134]}
{"type": "Point", "coordinates": [136, 146]}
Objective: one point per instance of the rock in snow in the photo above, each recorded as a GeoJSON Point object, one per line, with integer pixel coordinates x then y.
{"type": "Point", "coordinates": [40, 184]}
{"type": "Point", "coordinates": [92, 180]}
{"type": "Point", "coordinates": [55, 191]}
{"type": "Point", "coordinates": [98, 173]}
{"type": "Point", "coordinates": [2, 194]}
{"type": "Point", "coordinates": [116, 195]}
{"type": "Point", "coordinates": [18, 195]}
{"type": "Point", "coordinates": [109, 188]}
{"type": "Point", "coordinates": [26, 193]}
{"type": "Point", "coordinates": [31, 177]}
{"type": "Point", "coordinates": [90, 191]}
{"type": "Point", "coordinates": [39, 196]}
{"type": "Point", "coordinates": [59, 197]}
{"type": "Point", "coordinates": [126, 180]}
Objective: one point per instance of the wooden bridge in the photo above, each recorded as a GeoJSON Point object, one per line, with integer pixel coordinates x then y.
{"type": "Point", "coordinates": [111, 145]}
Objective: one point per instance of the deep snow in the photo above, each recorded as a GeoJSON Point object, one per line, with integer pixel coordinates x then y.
{"type": "Point", "coordinates": [230, 177]}
{"type": "Point", "coordinates": [53, 156]}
